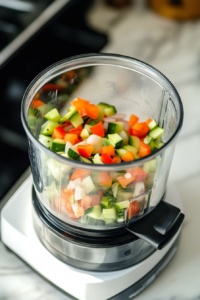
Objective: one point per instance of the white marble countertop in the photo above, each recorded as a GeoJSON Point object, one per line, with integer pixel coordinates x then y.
{"type": "Point", "coordinates": [174, 49]}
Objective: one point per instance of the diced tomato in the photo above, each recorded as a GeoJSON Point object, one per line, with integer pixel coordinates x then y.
{"type": "Point", "coordinates": [106, 159]}
{"type": "Point", "coordinates": [92, 111]}
{"type": "Point", "coordinates": [144, 149]}
{"type": "Point", "coordinates": [138, 172]}
{"type": "Point", "coordinates": [124, 181]}
{"type": "Point", "coordinates": [105, 178]}
{"type": "Point", "coordinates": [133, 120]}
{"type": "Point", "coordinates": [58, 133]}
{"type": "Point", "coordinates": [95, 200]}
{"type": "Point", "coordinates": [134, 209]}
{"type": "Point", "coordinates": [78, 173]}
{"type": "Point", "coordinates": [85, 150]}
{"type": "Point", "coordinates": [76, 130]}
{"type": "Point", "coordinates": [128, 156]}
{"type": "Point", "coordinates": [98, 129]}
{"type": "Point", "coordinates": [51, 87]}
{"type": "Point", "coordinates": [79, 103]}
{"type": "Point", "coordinates": [70, 137]}
{"type": "Point", "coordinates": [36, 103]}
{"type": "Point", "coordinates": [148, 121]}
{"type": "Point", "coordinates": [110, 150]}
{"type": "Point", "coordinates": [116, 159]}
{"type": "Point", "coordinates": [85, 202]}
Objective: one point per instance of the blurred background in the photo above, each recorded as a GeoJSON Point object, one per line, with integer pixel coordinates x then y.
{"type": "Point", "coordinates": [37, 33]}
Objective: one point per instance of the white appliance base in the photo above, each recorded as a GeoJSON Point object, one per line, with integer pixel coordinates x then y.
{"type": "Point", "coordinates": [19, 235]}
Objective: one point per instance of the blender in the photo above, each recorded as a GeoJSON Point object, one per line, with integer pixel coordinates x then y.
{"type": "Point", "coordinates": [114, 258]}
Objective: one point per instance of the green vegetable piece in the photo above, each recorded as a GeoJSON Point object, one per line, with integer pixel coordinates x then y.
{"type": "Point", "coordinates": [48, 128]}
{"type": "Point", "coordinates": [45, 140]}
{"type": "Point", "coordinates": [134, 141]}
{"type": "Point", "coordinates": [76, 119]}
{"type": "Point", "coordinates": [116, 139]}
{"type": "Point", "coordinates": [74, 155]}
{"type": "Point", "coordinates": [58, 145]}
{"type": "Point", "coordinates": [152, 124]}
{"type": "Point", "coordinates": [115, 127]}
{"type": "Point", "coordinates": [121, 205]}
{"type": "Point", "coordinates": [68, 115]}
{"type": "Point", "coordinates": [53, 115]}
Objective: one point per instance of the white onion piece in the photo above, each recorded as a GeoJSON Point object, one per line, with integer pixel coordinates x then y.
{"type": "Point", "coordinates": [124, 137]}
{"type": "Point", "coordinates": [71, 185]}
{"type": "Point", "coordinates": [79, 144]}
{"type": "Point", "coordinates": [67, 146]}
{"type": "Point", "coordinates": [119, 116]}
{"type": "Point", "coordinates": [105, 126]}
{"type": "Point", "coordinates": [77, 182]}
{"type": "Point", "coordinates": [108, 119]}
{"type": "Point", "coordinates": [75, 207]}
{"type": "Point", "coordinates": [68, 127]}
{"type": "Point", "coordinates": [126, 126]}
{"type": "Point", "coordinates": [79, 193]}
{"type": "Point", "coordinates": [93, 139]}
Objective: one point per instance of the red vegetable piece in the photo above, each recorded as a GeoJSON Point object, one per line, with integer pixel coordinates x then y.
{"type": "Point", "coordinates": [76, 130]}
{"type": "Point", "coordinates": [144, 149]}
{"type": "Point", "coordinates": [128, 156]}
{"type": "Point", "coordinates": [98, 129]}
{"type": "Point", "coordinates": [58, 133]}
{"type": "Point", "coordinates": [133, 120]}
{"type": "Point", "coordinates": [105, 178]}
{"type": "Point", "coordinates": [92, 111]}
{"type": "Point", "coordinates": [36, 103]}
{"type": "Point", "coordinates": [85, 150]}
{"type": "Point", "coordinates": [134, 209]}
{"type": "Point", "coordinates": [78, 173]}
{"type": "Point", "coordinates": [139, 173]}
{"type": "Point", "coordinates": [106, 159]}
{"type": "Point", "coordinates": [116, 159]}
{"type": "Point", "coordinates": [79, 103]}
{"type": "Point", "coordinates": [140, 129]}
{"type": "Point", "coordinates": [51, 87]}
{"type": "Point", "coordinates": [110, 150]}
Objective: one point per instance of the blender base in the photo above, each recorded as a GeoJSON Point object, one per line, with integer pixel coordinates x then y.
{"type": "Point", "coordinates": [18, 234]}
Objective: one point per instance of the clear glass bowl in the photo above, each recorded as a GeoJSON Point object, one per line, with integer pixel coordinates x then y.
{"type": "Point", "coordinates": [133, 87]}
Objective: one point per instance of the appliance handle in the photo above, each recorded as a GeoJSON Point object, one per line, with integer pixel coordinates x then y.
{"type": "Point", "coordinates": [160, 226]}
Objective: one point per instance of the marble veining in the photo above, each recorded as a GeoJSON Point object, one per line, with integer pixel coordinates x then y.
{"type": "Point", "coordinates": [173, 48]}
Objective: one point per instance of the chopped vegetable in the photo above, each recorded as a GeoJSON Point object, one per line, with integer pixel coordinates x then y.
{"type": "Point", "coordinates": [105, 178]}
{"type": "Point", "coordinates": [133, 120]}
{"type": "Point", "coordinates": [85, 150]}
{"type": "Point", "coordinates": [98, 129]}
{"type": "Point", "coordinates": [58, 133]}
{"type": "Point", "coordinates": [144, 149]}
{"type": "Point", "coordinates": [128, 156]}
{"type": "Point", "coordinates": [78, 173]}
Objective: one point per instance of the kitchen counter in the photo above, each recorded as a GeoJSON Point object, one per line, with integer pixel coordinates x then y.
{"type": "Point", "coordinates": [174, 49]}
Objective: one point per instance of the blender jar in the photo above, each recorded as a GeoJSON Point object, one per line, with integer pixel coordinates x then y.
{"type": "Point", "coordinates": [133, 87]}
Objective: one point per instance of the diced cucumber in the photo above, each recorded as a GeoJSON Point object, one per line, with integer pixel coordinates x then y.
{"type": "Point", "coordinates": [94, 212]}
{"type": "Point", "coordinates": [147, 140]}
{"type": "Point", "coordinates": [105, 202]}
{"type": "Point", "coordinates": [110, 111]}
{"type": "Point", "coordinates": [45, 140]}
{"type": "Point", "coordinates": [85, 160]}
{"type": "Point", "coordinates": [115, 127]}
{"type": "Point", "coordinates": [74, 155]}
{"type": "Point", "coordinates": [51, 191]}
{"type": "Point", "coordinates": [130, 148]}
{"type": "Point", "coordinates": [121, 216]}
{"type": "Point", "coordinates": [84, 134]}
{"type": "Point", "coordinates": [97, 159]}
{"type": "Point", "coordinates": [68, 115]}
{"type": "Point", "coordinates": [108, 143]}
{"type": "Point", "coordinates": [121, 205]}
{"type": "Point", "coordinates": [110, 221]}
{"type": "Point", "coordinates": [88, 184]}
{"type": "Point", "coordinates": [53, 115]}
{"type": "Point", "coordinates": [152, 124]}
{"type": "Point", "coordinates": [124, 194]}
{"type": "Point", "coordinates": [57, 169]}
{"type": "Point", "coordinates": [92, 123]}
{"type": "Point", "coordinates": [156, 133]}
{"type": "Point", "coordinates": [102, 106]}
{"type": "Point", "coordinates": [44, 109]}
{"type": "Point", "coordinates": [149, 180]}
{"type": "Point", "coordinates": [87, 127]}
{"type": "Point", "coordinates": [150, 166]}
{"type": "Point", "coordinates": [76, 119]}
{"type": "Point", "coordinates": [152, 145]}
{"type": "Point", "coordinates": [121, 152]}
{"type": "Point", "coordinates": [58, 145]}
{"type": "Point", "coordinates": [91, 221]}
{"type": "Point", "coordinates": [134, 141]}
{"type": "Point", "coordinates": [158, 144]}
{"type": "Point", "coordinates": [48, 128]}
{"type": "Point", "coordinates": [115, 188]}
{"type": "Point", "coordinates": [109, 213]}
{"type": "Point", "coordinates": [116, 139]}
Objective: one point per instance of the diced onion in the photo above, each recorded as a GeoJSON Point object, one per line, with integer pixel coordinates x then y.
{"type": "Point", "coordinates": [71, 185]}
{"type": "Point", "coordinates": [128, 175]}
{"type": "Point", "coordinates": [67, 146]}
{"type": "Point", "coordinates": [79, 193]}
{"type": "Point", "coordinates": [124, 136]}
{"type": "Point", "coordinates": [119, 116]}
{"type": "Point", "coordinates": [93, 139]}
{"type": "Point", "coordinates": [126, 126]}
{"type": "Point", "coordinates": [105, 126]}
{"type": "Point", "coordinates": [77, 182]}
{"type": "Point", "coordinates": [108, 119]}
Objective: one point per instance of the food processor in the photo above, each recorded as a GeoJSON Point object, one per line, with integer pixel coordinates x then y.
{"type": "Point", "coordinates": [106, 258]}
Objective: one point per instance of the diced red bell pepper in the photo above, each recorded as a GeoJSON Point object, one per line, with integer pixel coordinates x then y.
{"type": "Point", "coordinates": [92, 111]}
{"type": "Point", "coordinates": [98, 129]}
{"type": "Point", "coordinates": [85, 202]}
{"type": "Point", "coordinates": [105, 178]}
{"type": "Point", "coordinates": [133, 120]}
{"type": "Point", "coordinates": [76, 130]}
{"type": "Point", "coordinates": [106, 159]}
{"type": "Point", "coordinates": [124, 181]}
{"type": "Point", "coordinates": [128, 156]}
{"type": "Point", "coordinates": [58, 133]}
{"type": "Point", "coordinates": [116, 159]}
{"type": "Point", "coordinates": [79, 173]}
{"type": "Point", "coordinates": [138, 172]}
{"type": "Point", "coordinates": [51, 87]}
{"type": "Point", "coordinates": [140, 129]}
{"type": "Point", "coordinates": [144, 149]}
{"type": "Point", "coordinates": [95, 199]}
{"type": "Point", "coordinates": [79, 103]}
{"type": "Point", "coordinates": [85, 150]}
{"type": "Point", "coordinates": [110, 150]}
{"type": "Point", "coordinates": [71, 137]}
{"type": "Point", "coordinates": [82, 112]}
{"type": "Point", "coordinates": [36, 103]}
{"type": "Point", "coordinates": [130, 131]}
{"type": "Point", "coordinates": [37, 96]}
{"type": "Point", "coordinates": [134, 209]}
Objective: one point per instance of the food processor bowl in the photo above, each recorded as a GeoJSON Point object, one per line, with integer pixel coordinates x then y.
{"type": "Point", "coordinates": [133, 87]}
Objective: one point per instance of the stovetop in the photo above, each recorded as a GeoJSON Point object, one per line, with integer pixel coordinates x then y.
{"type": "Point", "coordinates": [64, 34]}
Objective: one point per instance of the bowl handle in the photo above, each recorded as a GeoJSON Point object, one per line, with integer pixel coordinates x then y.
{"type": "Point", "coordinates": [160, 226]}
